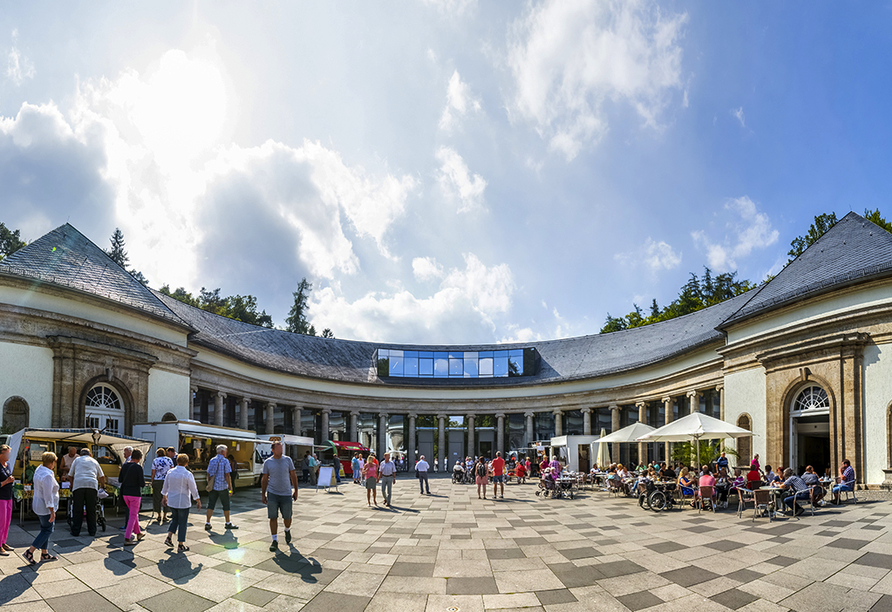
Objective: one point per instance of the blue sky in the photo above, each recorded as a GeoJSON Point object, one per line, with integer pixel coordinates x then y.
{"type": "Point", "coordinates": [444, 171]}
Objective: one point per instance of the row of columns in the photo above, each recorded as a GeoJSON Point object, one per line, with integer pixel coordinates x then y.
{"type": "Point", "coordinates": [694, 397]}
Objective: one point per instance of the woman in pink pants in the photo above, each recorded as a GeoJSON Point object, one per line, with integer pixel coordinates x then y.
{"type": "Point", "coordinates": [6, 481]}
{"type": "Point", "coordinates": [132, 480]}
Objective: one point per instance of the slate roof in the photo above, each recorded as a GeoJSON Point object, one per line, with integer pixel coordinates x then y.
{"type": "Point", "coordinates": [852, 251]}
{"type": "Point", "coordinates": [66, 257]}
{"type": "Point", "coordinates": [352, 361]}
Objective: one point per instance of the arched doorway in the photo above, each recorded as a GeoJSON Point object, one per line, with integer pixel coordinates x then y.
{"type": "Point", "coordinates": [745, 445]}
{"type": "Point", "coordinates": [103, 409]}
{"type": "Point", "coordinates": [810, 429]}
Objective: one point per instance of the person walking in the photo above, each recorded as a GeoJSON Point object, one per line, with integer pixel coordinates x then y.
{"type": "Point", "coordinates": [370, 475]}
{"type": "Point", "coordinates": [481, 475]}
{"type": "Point", "coordinates": [498, 475]}
{"type": "Point", "coordinates": [160, 467]}
{"type": "Point", "coordinates": [86, 477]}
{"type": "Point", "coordinates": [278, 491]}
{"type": "Point", "coordinates": [422, 468]}
{"type": "Point", "coordinates": [311, 464]}
{"type": "Point", "coordinates": [356, 468]}
{"type": "Point", "coordinates": [178, 492]}
{"type": "Point", "coordinates": [132, 480]}
{"type": "Point", "coordinates": [44, 504]}
{"type": "Point", "coordinates": [387, 470]}
{"type": "Point", "coordinates": [128, 450]}
{"type": "Point", "coordinates": [220, 470]}
{"type": "Point", "coordinates": [6, 482]}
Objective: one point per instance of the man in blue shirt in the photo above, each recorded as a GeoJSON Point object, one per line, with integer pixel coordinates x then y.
{"type": "Point", "coordinates": [220, 472]}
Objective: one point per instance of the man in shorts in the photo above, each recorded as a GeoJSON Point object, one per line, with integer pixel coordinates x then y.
{"type": "Point", "coordinates": [498, 475]}
{"type": "Point", "coordinates": [221, 472]}
{"type": "Point", "coordinates": [278, 490]}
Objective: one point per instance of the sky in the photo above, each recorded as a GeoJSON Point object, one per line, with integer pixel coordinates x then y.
{"type": "Point", "coordinates": [444, 171]}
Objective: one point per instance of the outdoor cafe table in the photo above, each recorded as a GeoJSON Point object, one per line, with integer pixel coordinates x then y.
{"type": "Point", "coordinates": [775, 493]}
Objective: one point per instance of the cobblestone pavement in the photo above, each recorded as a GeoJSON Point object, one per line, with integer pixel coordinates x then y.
{"type": "Point", "coordinates": [451, 551]}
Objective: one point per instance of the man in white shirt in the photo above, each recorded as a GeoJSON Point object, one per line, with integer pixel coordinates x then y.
{"type": "Point", "coordinates": [387, 471]}
{"type": "Point", "coordinates": [86, 477]}
{"type": "Point", "coordinates": [423, 467]}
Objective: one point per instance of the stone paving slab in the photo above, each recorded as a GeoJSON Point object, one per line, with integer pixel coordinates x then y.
{"type": "Point", "coordinates": [451, 550]}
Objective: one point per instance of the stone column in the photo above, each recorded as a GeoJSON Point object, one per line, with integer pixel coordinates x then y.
{"type": "Point", "coordinates": [218, 407]}
{"type": "Point", "coordinates": [614, 426]}
{"type": "Point", "coordinates": [558, 424]}
{"type": "Point", "coordinates": [721, 391]}
{"type": "Point", "coordinates": [500, 433]}
{"type": "Point", "coordinates": [271, 418]}
{"type": "Point", "coordinates": [325, 427]}
{"type": "Point", "coordinates": [441, 441]}
{"type": "Point", "coordinates": [586, 421]}
{"type": "Point", "coordinates": [694, 401]}
{"type": "Point", "coordinates": [410, 443]}
{"type": "Point", "coordinates": [354, 431]}
{"type": "Point", "coordinates": [382, 434]}
{"type": "Point", "coordinates": [243, 412]}
{"type": "Point", "coordinates": [472, 449]}
{"type": "Point", "coordinates": [530, 434]}
{"type": "Point", "coordinates": [642, 418]}
{"type": "Point", "coordinates": [667, 411]}
{"type": "Point", "coordinates": [296, 416]}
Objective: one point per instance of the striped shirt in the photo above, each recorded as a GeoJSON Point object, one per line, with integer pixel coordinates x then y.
{"type": "Point", "coordinates": [848, 475]}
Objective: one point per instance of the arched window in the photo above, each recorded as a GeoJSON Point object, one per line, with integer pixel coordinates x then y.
{"type": "Point", "coordinates": [811, 399]}
{"type": "Point", "coordinates": [744, 445]}
{"type": "Point", "coordinates": [15, 414]}
{"type": "Point", "coordinates": [104, 409]}
{"type": "Point", "coordinates": [169, 416]}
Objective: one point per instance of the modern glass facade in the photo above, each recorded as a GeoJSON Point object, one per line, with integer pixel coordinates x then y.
{"type": "Point", "coordinates": [399, 363]}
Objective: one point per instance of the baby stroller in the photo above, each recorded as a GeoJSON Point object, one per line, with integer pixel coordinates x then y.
{"type": "Point", "coordinates": [100, 511]}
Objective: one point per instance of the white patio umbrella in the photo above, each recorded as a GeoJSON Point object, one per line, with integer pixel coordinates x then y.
{"type": "Point", "coordinates": [628, 434]}
{"type": "Point", "coordinates": [603, 451]}
{"type": "Point", "coordinates": [695, 427]}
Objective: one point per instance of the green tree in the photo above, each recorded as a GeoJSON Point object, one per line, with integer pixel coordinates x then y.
{"type": "Point", "coordinates": [327, 333]}
{"type": "Point", "coordinates": [296, 322]}
{"type": "Point", "coordinates": [10, 241]}
{"type": "Point", "coordinates": [117, 252]}
{"type": "Point", "coordinates": [821, 225]}
{"type": "Point", "coordinates": [874, 216]}
{"type": "Point", "coordinates": [239, 307]}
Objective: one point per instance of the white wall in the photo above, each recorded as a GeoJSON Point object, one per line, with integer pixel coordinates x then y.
{"type": "Point", "coordinates": [877, 396]}
{"type": "Point", "coordinates": [27, 371]}
{"type": "Point", "coordinates": [745, 392]}
{"type": "Point", "coordinates": [169, 392]}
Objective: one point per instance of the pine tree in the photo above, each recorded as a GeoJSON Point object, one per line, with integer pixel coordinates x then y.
{"type": "Point", "coordinates": [10, 241]}
{"type": "Point", "coordinates": [296, 322]}
{"type": "Point", "coordinates": [117, 252]}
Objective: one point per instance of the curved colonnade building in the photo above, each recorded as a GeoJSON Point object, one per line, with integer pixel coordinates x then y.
{"type": "Point", "coordinates": [804, 361]}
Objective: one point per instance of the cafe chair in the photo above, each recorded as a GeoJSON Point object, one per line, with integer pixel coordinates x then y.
{"type": "Point", "coordinates": [706, 493]}
{"type": "Point", "coordinates": [744, 497]}
{"type": "Point", "coordinates": [682, 496]}
{"type": "Point", "coordinates": [762, 502]}
{"type": "Point", "coordinates": [801, 503]}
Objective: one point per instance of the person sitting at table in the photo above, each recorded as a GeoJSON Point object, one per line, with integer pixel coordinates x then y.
{"type": "Point", "coordinates": [846, 480]}
{"type": "Point", "coordinates": [753, 479]}
{"type": "Point", "coordinates": [810, 478]}
{"type": "Point", "coordinates": [723, 486]}
{"type": "Point", "coordinates": [738, 482]}
{"type": "Point", "coordinates": [706, 480]}
{"type": "Point", "coordinates": [797, 487]}
{"type": "Point", "coordinates": [770, 476]}
{"type": "Point", "coordinates": [667, 473]}
{"type": "Point", "coordinates": [686, 484]}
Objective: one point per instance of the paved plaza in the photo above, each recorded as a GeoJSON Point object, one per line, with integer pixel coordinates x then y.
{"type": "Point", "coordinates": [453, 552]}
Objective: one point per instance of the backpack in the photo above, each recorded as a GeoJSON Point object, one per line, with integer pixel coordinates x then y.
{"type": "Point", "coordinates": [481, 470]}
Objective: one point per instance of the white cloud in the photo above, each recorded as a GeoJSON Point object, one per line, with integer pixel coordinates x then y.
{"type": "Point", "coordinates": [463, 308]}
{"type": "Point", "coordinates": [458, 102]}
{"type": "Point", "coordinates": [569, 58]}
{"type": "Point", "coordinates": [457, 182]}
{"type": "Point", "coordinates": [18, 67]}
{"type": "Point", "coordinates": [452, 8]}
{"type": "Point", "coordinates": [750, 230]}
{"type": "Point", "coordinates": [656, 256]}
{"type": "Point", "coordinates": [737, 113]}
{"type": "Point", "coordinates": [426, 268]}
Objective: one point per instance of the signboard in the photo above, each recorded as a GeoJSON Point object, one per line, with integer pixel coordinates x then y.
{"type": "Point", "coordinates": [326, 478]}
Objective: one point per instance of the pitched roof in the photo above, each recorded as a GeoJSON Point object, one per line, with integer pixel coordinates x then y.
{"type": "Point", "coordinates": [852, 251]}
{"type": "Point", "coordinates": [67, 258]}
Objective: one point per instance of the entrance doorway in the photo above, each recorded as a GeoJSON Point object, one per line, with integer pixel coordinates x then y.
{"type": "Point", "coordinates": [811, 443]}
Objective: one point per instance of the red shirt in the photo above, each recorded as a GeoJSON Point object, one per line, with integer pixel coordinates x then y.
{"type": "Point", "coordinates": [498, 466]}
{"type": "Point", "coordinates": [521, 470]}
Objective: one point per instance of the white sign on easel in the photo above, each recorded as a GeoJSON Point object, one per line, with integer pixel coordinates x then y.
{"type": "Point", "coordinates": [326, 478]}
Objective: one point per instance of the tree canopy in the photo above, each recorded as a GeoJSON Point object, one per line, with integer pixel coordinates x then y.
{"type": "Point", "coordinates": [696, 294]}
{"type": "Point", "coordinates": [10, 241]}
{"type": "Point", "coordinates": [239, 307]}
{"type": "Point", "coordinates": [818, 228]}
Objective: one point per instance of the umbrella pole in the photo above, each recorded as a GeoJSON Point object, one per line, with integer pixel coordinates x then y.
{"type": "Point", "coordinates": [697, 456]}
